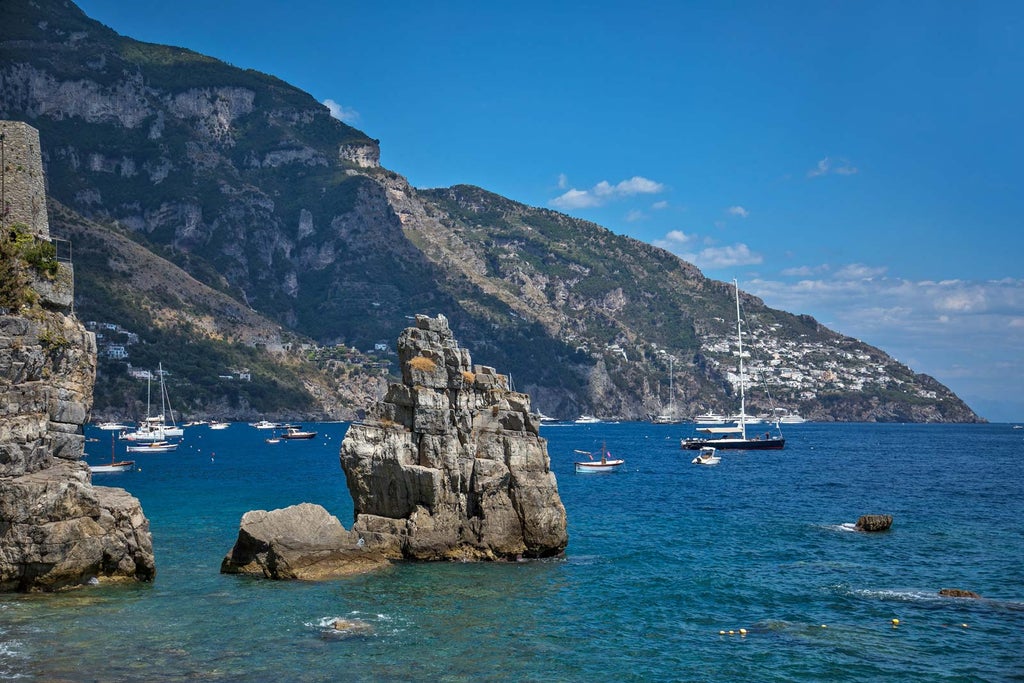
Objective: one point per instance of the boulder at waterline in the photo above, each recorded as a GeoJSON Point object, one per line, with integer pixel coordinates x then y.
{"type": "Point", "coordinates": [298, 542]}
{"type": "Point", "coordinates": [874, 522]}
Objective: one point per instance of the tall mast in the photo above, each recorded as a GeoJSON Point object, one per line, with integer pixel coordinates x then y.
{"type": "Point", "coordinates": [739, 337]}
{"type": "Point", "coordinates": [671, 391]}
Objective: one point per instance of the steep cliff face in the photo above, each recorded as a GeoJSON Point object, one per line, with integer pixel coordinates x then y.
{"type": "Point", "coordinates": [249, 185]}
{"type": "Point", "coordinates": [56, 528]}
{"type": "Point", "coordinates": [450, 465]}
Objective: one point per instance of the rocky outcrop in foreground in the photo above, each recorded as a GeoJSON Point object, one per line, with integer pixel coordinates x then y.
{"type": "Point", "coordinates": [57, 530]}
{"type": "Point", "coordinates": [299, 542]}
{"type": "Point", "coordinates": [450, 464]}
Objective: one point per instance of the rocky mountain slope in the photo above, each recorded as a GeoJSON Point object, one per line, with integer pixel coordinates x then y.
{"type": "Point", "coordinates": [248, 186]}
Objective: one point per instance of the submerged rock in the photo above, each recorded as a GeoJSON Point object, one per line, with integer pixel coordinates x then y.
{"type": "Point", "coordinates": [298, 542]}
{"type": "Point", "coordinates": [958, 593]}
{"type": "Point", "coordinates": [450, 464]}
{"type": "Point", "coordinates": [874, 523]}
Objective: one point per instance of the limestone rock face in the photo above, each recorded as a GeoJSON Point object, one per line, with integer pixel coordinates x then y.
{"type": "Point", "coordinates": [299, 542]}
{"type": "Point", "coordinates": [874, 522]}
{"type": "Point", "coordinates": [450, 464]}
{"type": "Point", "coordinates": [56, 529]}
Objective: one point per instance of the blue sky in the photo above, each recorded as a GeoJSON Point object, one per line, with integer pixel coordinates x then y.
{"type": "Point", "coordinates": [855, 161]}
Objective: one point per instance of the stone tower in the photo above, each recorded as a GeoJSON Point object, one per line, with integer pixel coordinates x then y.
{"type": "Point", "coordinates": [22, 183]}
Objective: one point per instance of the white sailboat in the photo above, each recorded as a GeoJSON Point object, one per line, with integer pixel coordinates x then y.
{"type": "Point", "coordinates": [115, 465]}
{"type": "Point", "coordinates": [156, 428]}
{"type": "Point", "coordinates": [670, 416]}
{"type": "Point", "coordinates": [735, 437]}
{"type": "Point", "coordinates": [605, 463]}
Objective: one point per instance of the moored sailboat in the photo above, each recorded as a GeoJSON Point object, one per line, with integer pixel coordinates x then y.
{"type": "Point", "coordinates": [736, 437]}
{"type": "Point", "coordinates": [156, 428]}
{"type": "Point", "coordinates": [605, 463]}
{"type": "Point", "coordinates": [115, 465]}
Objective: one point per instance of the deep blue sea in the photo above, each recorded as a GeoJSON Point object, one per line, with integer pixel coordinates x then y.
{"type": "Point", "coordinates": [663, 556]}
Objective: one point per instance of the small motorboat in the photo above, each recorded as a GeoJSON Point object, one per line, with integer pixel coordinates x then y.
{"type": "Point", "coordinates": [153, 447]}
{"type": "Point", "coordinates": [707, 456]}
{"type": "Point", "coordinates": [297, 433]}
{"type": "Point", "coordinates": [219, 425]}
{"type": "Point", "coordinates": [605, 463]}
{"type": "Point", "coordinates": [112, 426]}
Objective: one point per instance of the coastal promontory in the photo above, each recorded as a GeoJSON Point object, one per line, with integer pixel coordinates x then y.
{"type": "Point", "coordinates": [57, 530]}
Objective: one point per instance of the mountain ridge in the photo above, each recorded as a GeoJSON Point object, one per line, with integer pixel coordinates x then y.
{"type": "Point", "coordinates": [248, 185]}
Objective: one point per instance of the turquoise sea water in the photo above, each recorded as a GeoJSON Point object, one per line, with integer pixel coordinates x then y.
{"type": "Point", "coordinates": [663, 555]}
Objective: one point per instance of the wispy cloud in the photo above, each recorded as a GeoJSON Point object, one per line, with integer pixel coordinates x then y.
{"type": "Point", "coordinates": [805, 271]}
{"type": "Point", "coordinates": [709, 256]}
{"type": "Point", "coordinates": [660, 206]}
{"type": "Point", "coordinates": [604, 192]}
{"type": "Point", "coordinates": [832, 166]}
{"type": "Point", "coordinates": [341, 112]}
{"type": "Point", "coordinates": [967, 333]}
{"type": "Point", "coordinates": [737, 211]}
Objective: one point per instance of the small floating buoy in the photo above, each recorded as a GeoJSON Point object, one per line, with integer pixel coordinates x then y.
{"type": "Point", "coordinates": [731, 632]}
{"type": "Point", "coordinates": [721, 633]}
{"type": "Point", "coordinates": [895, 622]}
{"type": "Point", "coordinates": [743, 632]}
{"type": "Point", "coordinates": [964, 626]}
{"type": "Point", "coordinates": [824, 625]}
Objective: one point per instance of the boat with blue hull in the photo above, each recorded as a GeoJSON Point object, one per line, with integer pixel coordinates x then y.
{"type": "Point", "coordinates": [735, 437]}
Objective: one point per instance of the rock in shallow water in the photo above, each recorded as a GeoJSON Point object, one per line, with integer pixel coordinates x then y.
{"type": "Point", "coordinates": [450, 465]}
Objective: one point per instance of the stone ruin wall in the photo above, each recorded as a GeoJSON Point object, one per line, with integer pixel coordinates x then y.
{"type": "Point", "coordinates": [23, 184]}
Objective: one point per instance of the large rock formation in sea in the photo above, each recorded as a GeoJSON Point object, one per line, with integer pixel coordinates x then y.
{"type": "Point", "coordinates": [56, 529]}
{"type": "Point", "coordinates": [450, 464]}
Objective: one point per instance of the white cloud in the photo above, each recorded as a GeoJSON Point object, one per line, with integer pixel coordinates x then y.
{"type": "Point", "coordinates": [805, 271]}
{"type": "Point", "coordinates": [341, 112]}
{"type": "Point", "coordinates": [675, 240]}
{"type": "Point", "coordinates": [711, 256]}
{"type": "Point", "coordinates": [737, 211]}
{"type": "Point", "coordinates": [967, 334]}
{"type": "Point", "coordinates": [575, 199]}
{"type": "Point", "coordinates": [635, 215]}
{"type": "Point", "coordinates": [858, 271]}
{"type": "Point", "coordinates": [724, 257]}
{"type": "Point", "coordinates": [828, 166]}
{"type": "Point", "coordinates": [638, 185]}
{"type": "Point", "coordinates": [563, 181]}
{"type": "Point", "coordinates": [604, 191]}
{"type": "Point", "coordinates": [659, 206]}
